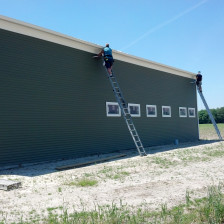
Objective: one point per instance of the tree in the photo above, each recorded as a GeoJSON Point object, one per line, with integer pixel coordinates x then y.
{"type": "Point", "coordinates": [203, 117]}
{"type": "Point", "coordinates": [218, 115]}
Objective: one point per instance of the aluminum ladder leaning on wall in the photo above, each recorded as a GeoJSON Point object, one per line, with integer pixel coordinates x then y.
{"type": "Point", "coordinates": [127, 116]}
{"type": "Point", "coordinates": [209, 113]}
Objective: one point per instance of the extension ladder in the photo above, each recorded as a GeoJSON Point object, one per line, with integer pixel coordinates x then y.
{"type": "Point", "coordinates": [127, 116]}
{"type": "Point", "coordinates": [209, 113]}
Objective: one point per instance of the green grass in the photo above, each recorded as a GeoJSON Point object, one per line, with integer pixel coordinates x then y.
{"type": "Point", "coordinates": [83, 182]}
{"type": "Point", "coordinates": [208, 210]}
{"type": "Point", "coordinates": [86, 182]}
{"type": "Point", "coordinates": [208, 132]}
{"type": "Point", "coordinates": [114, 173]}
{"type": "Point", "coordinates": [163, 162]}
{"type": "Point", "coordinates": [120, 175]}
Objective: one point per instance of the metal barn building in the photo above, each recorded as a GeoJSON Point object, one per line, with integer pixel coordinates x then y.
{"type": "Point", "coordinates": [57, 102]}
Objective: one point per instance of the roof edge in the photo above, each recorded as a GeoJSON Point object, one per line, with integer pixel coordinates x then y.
{"type": "Point", "coordinates": [20, 27]}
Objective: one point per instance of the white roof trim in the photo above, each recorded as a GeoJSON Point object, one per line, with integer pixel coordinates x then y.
{"type": "Point", "coordinates": [13, 25]}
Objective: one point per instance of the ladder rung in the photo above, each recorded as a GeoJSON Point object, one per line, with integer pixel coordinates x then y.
{"type": "Point", "coordinates": [132, 125]}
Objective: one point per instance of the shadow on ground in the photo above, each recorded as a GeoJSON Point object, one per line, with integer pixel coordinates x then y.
{"type": "Point", "coordinates": [38, 169]}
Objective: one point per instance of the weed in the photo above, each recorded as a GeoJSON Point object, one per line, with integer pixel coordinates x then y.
{"type": "Point", "coordinates": [209, 209]}
{"type": "Point", "coordinates": [120, 175]}
{"type": "Point", "coordinates": [213, 209]}
{"type": "Point", "coordinates": [164, 212]}
{"type": "Point", "coordinates": [187, 197]}
{"type": "Point", "coordinates": [215, 153]}
{"type": "Point", "coordinates": [106, 170]}
{"type": "Point", "coordinates": [163, 162]}
{"type": "Point", "coordinates": [52, 209]}
{"type": "Point", "coordinates": [86, 182]}
{"type": "Point", "coordinates": [88, 174]}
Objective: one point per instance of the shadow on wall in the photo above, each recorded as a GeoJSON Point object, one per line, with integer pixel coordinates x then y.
{"type": "Point", "coordinates": [38, 169]}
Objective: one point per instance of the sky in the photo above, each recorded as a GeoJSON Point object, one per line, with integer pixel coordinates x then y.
{"type": "Point", "coordinates": [186, 34]}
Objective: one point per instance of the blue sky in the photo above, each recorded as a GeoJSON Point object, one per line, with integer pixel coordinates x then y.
{"type": "Point", "coordinates": [186, 34]}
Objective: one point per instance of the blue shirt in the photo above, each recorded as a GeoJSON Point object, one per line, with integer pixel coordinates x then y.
{"type": "Point", "coordinates": [107, 51]}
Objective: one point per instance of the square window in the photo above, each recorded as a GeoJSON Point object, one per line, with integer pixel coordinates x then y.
{"type": "Point", "coordinates": [182, 111]}
{"type": "Point", "coordinates": [166, 111]}
{"type": "Point", "coordinates": [191, 112]}
{"type": "Point", "coordinates": [134, 109]}
{"type": "Point", "coordinates": [151, 111]}
{"type": "Point", "coordinates": [113, 109]}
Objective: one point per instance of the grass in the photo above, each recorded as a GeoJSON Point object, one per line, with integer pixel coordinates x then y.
{"type": "Point", "coordinates": [163, 162]}
{"type": "Point", "coordinates": [86, 182]}
{"type": "Point", "coordinates": [120, 175]}
{"type": "Point", "coordinates": [113, 173]}
{"type": "Point", "coordinates": [83, 182]}
{"type": "Point", "coordinates": [208, 132]}
{"type": "Point", "coordinates": [208, 210]}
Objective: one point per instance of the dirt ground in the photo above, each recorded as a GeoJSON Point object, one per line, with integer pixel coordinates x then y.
{"type": "Point", "coordinates": [164, 176]}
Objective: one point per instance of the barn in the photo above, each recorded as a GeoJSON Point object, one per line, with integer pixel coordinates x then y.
{"type": "Point", "coordinates": [57, 102]}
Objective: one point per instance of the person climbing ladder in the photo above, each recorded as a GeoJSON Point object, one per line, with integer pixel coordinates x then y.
{"type": "Point", "coordinates": [199, 81]}
{"type": "Point", "coordinates": [106, 52]}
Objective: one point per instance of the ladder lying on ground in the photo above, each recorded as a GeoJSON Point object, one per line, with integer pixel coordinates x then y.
{"type": "Point", "coordinates": [209, 113]}
{"type": "Point", "coordinates": [127, 116]}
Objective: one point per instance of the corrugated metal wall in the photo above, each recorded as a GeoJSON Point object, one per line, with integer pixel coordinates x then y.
{"type": "Point", "coordinates": [53, 103]}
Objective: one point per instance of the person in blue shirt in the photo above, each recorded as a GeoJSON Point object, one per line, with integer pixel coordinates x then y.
{"type": "Point", "coordinates": [108, 58]}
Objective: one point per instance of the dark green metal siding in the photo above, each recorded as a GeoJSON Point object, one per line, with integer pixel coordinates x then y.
{"type": "Point", "coordinates": [146, 86]}
{"type": "Point", "coordinates": [53, 100]}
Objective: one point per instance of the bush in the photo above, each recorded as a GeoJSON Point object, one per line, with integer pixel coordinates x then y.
{"type": "Point", "coordinates": [218, 115]}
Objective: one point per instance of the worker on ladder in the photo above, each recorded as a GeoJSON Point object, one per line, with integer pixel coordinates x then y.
{"type": "Point", "coordinates": [199, 81]}
{"type": "Point", "coordinates": [108, 58]}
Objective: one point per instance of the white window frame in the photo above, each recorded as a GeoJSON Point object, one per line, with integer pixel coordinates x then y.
{"type": "Point", "coordinates": [191, 108]}
{"type": "Point", "coordinates": [150, 115]}
{"type": "Point", "coordinates": [183, 108]}
{"type": "Point", "coordinates": [107, 109]}
{"type": "Point", "coordinates": [168, 107]}
{"type": "Point", "coordinates": [135, 105]}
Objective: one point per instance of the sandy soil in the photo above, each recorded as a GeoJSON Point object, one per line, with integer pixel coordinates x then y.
{"type": "Point", "coordinates": [161, 177]}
